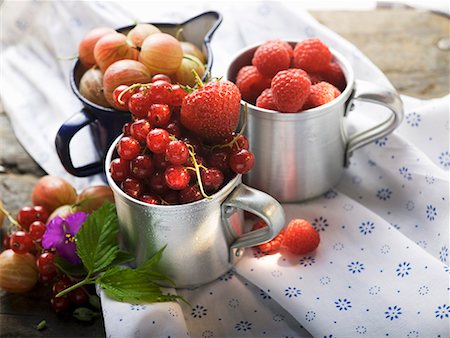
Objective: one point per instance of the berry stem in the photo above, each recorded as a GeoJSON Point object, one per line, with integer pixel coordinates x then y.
{"type": "Point", "coordinates": [119, 98]}
{"type": "Point", "coordinates": [197, 171]}
{"type": "Point", "coordinates": [10, 218]}
{"type": "Point", "coordinates": [85, 281]}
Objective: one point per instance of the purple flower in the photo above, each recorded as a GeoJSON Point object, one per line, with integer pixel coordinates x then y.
{"type": "Point", "coordinates": [60, 234]}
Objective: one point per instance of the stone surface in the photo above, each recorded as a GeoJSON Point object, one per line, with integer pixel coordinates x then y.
{"type": "Point", "coordinates": [403, 43]}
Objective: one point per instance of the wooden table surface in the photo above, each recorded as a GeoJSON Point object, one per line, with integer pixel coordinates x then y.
{"type": "Point", "coordinates": [409, 46]}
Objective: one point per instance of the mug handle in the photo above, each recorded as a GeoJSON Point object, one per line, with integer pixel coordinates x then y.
{"type": "Point", "coordinates": [369, 92]}
{"type": "Point", "coordinates": [62, 142]}
{"type": "Point", "coordinates": [260, 204]}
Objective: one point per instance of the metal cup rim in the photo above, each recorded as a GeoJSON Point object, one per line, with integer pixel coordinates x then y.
{"type": "Point", "coordinates": [219, 195]}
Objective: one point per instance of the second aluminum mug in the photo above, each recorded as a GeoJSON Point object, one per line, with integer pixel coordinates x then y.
{"type": "Point", "coordinates": [302, 155]}
{"type": "Point", "coordinates": [204, 238]}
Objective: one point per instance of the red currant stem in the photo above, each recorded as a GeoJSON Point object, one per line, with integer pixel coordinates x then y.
{"type": "Point", "coordinates": [197, 171]}
{"type": "Point", "coordinates": [119, 98]}
{"type": "Point", "coordinates": [10, 218]}
{"type": "Point", "coordinates": [191, 168]}
{"type": "Point", "coordinates": [198, 80]}
{"type": "Point", "coordinates": [85, 281]}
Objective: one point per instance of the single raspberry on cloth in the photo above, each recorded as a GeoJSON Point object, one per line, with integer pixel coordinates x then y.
{"type": "Point", "coordinates": [266, 101]}
{"type": "Point", "coordinates": [300, 237]}
{"type": "Point", "coordinates": [290, 89]}
{"type": "Point", "coordinates": [321, 93]}
{"type": "Point", "coordinates": [312, 55]}
{"type": "Point", "coordinates": [251, 83]}
{"type": "Point", "coordinates": [271, 57]}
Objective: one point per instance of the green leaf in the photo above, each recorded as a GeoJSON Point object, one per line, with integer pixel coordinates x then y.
{"type": "Point", "coordinates": [151, 263]}
{"type": "Point", "coordinates": [69, 269]}
{"type": "Point", "coordinates": [84, 314]}
{"type": "Point", "coordinates": [122, 257]}
{"type": "Point", "coordinates": [127, 285]}
{"type": "Point", "coordinates": [42, 325]}
{"type": "Point", "coordinates": [97, 239]}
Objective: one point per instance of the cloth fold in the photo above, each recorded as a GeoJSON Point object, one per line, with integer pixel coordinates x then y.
{"type": "Point", "coordinates": [382, 266]}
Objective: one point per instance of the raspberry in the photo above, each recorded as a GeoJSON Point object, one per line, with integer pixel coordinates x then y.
{"type": "Point", "coordinates": [273, 245]}
{"type": "Point", "coordinates": [300, 237]}
{"type": "Point", "coordinates": [265, 100]}
{"type": "Point", "coordinates": [251, 83]}
{"type": "Point", "coordinates": [286, 45]}
{"type": "Point", "coordinates": [333, 74]}
{"type": "Point", "coordinates": [270, 58]}
{"type": "Point", "coordinates": [312, 55]}
{"type": "Point", "coordinates": [321, 93]}
{"type": "Point", "coordinates": [290, 89]}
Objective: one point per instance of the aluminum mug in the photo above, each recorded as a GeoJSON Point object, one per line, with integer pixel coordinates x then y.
{"type": "Point", "coordinates": [302, 155]}
{"type": "Point", "coordinates": [105, 124]}
{"type": "Point", "coordinates": [204, 238]}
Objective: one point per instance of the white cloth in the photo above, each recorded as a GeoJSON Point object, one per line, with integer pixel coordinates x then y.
{"type": "Point", "coordinates": [382, 265]}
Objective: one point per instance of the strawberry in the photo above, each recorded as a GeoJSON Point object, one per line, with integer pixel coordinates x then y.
{"type": "Point", "coordinates": [312, 55]}
{"type": "Point", "coordinates": [251, 83]}
{"type": "Point", "coordinates": [212, 111]}
{"type": "Point", "coordinates": [271, 246]}
{"type": "Point", "coordinates": [300, 237]}
{"type": "Point", "coordinates": [321, 93]}
{"type": "Point", "coordinates": [290, 89]}
{"type": "Point", "coordinates": [271, 57]}
{"type": "Point", "coordinates": [265, 100]}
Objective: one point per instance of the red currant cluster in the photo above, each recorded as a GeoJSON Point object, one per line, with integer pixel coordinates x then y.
{"type": "Point", "coordinates": [25, 240]}
{"type": "Point", "coordinates": [161, 162]}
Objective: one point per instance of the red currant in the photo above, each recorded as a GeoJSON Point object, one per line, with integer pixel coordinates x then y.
{"type": "Point", "coordinates": [139, 104]}
{"type": "Point", "coordinates": [126, 129]}
{"type": "Point", "coordinates": [157, 183]}
{"type": "Point", "coordinates": [141, 166]}
{"type": "Point", "coordinates": [242, 161]}
{"type": "Point", "coordinates": [161, 92]}
{"type": "Point", "coordinates": [128, 148]}
{"type": "Point", "coordinates": [177, 152]}
{"type": "Point", "coordinates": [60, 304]}
{"type": "Point", "coordinates": [6, 242]}
{"type": "Point", "coordinates": [171, 197]}
{"type": "Point", "coordinates": [173, 128]}
{"type": "Point", "coordinates": [37, 229]}
{"type": "Point", "coordinates": [119, 169]}
{"type": "Point", "coordinates": [46, 263]}
{"type": "Point", "coordinates": [125, 97]}
{"type": "Point", "coordinates": [241, 142]}
{"type": "Point", "coordinates": [219, 159]}
{"type": "Point", "coordinates": [47, 279]}
{"type": "Point", "coordinates": [78, 296]}
{"type": "Point", "coordinates": [28, 215]}
{"type": "Point", "coordinates": [177, 177]}
{"type": "Point", "coordinates": [158, 140]}
{"type": "Point", "coordinates": [63, 283]}
{"type": "Point", "coordinates": [159, 160]}
{"type": "Point", "coordinates": [178, 95]}
{"type": "Point", "coordinates": [132, 187]}
{"type": "Point", "coordinates": [150, 199]}
{"type": "Point", "coordinates": [190, 194]}
{"type": "Point", "coordinates": [212, 179]}
{"type": "Point", "coordinates": [162, 77]}
{"type": "Point", "coordinates": [21, 242]}
{"type": "Point", "coordinates": [159, 115]}
{"type": "Point", "coordinates": [139, 130]}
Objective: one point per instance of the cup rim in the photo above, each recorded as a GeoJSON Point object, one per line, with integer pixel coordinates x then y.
{"type": "Point", "coordinates": [304, 114]}
{"type": "Point", "coordinates": [221, 194]}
